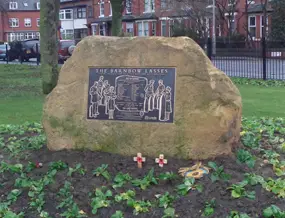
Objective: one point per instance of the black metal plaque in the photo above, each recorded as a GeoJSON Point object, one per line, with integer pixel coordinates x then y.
{"type": "Point", "coordinates": [131, 94]}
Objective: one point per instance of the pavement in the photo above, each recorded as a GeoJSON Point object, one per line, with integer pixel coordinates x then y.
{"type": "Point", "coordinates": [232, 66]}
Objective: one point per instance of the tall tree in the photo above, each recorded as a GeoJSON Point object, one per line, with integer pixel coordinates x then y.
{"type": "Point", "coordinates": [117, 10]}
{"type": "Point", "coordinates": [278, 20]}
{"type": "Point", "coordinates": [49, 21]}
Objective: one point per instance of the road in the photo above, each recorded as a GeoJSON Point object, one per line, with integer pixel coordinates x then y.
{"type": "Point", "coordinates": [235, 67]}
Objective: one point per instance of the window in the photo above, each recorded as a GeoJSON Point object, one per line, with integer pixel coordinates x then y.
{"type": "Point", "coordinates": [153, 28]}
{"type": "Point", "coordinates": [102, 30]}
{"type": "Point", "coordinates": [81, 12]}
{"type": "Point", "coordinates": [65, 14]}
{"type": "Point", "coordinates": [38, 5]}
{"type": "Point", "coordinates": [262, 26]}
{"type": "Point", "coordinates": [110, 9]}
{"type": "Point", "coordinates": [163, 28]}
{"type": "Point", "coordinates": [101, 4]}
{"type": "Point", "coordinates": [90, 11]}
{"type": "Point", "coordinates": [30, 35]}
{"type": "Point", "coordinates": [232, 25]}
{"type": "Point", "coordinates": [165, 4]}
{"type": "Point", "coordinates": [67, 34]}
{"type": "Point", "coordinates": [14, 22]}
{"type": "Point", "coordinates": [38, 21]}
{"type": "Point", "coordinates": [94, 29]}
{"type": "Point", "coordinates": [128, 6]}
{"type": "Point", "coordinates": [130, 28]}
{"type": "Point", "coordinates": [143, 28]}
{"type": "Point", "coordinates": [250, 2]}
{"type": "Point", "coordinates": [13, 5]}
{"type": "Point", "coordinates": [149, 5]}
{"type": "Point", "coordinates": [252, 26]}
{"type": "Point", "coordinates": [28, 22]}
{"type": "Point", "coordinates": [171, 24]}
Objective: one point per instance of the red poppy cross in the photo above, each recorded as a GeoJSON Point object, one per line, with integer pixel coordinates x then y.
{"type": "Point", "coordinates": [139, 159]}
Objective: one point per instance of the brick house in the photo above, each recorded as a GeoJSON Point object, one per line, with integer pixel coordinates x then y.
{"type": "Point", "coordinates": [246, 14]}
{"type": "Point", "coordinates": [140, 18]}
{"type": "Point", "coordinates": [74, 16]}
{"type": "Point", "coordinates": [20, 20]}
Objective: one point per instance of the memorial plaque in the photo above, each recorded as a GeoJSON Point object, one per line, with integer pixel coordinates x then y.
{"type": "Point", "coordinates": [131, 94]}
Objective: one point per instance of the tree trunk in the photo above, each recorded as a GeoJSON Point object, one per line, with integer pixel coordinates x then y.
{"type": "Point", "coordinates": [49, 43]}
{"type": "Point", "coordinates": [117, 9]}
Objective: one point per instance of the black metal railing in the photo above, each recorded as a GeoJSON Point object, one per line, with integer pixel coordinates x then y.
{"type": "Point", "coordinates": [251, 59]}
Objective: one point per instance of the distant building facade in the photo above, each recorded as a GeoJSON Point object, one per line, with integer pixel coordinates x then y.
{"type": "Point", "coordinates": [20, 20]}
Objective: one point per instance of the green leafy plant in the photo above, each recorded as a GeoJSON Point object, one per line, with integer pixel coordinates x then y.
{"type": "Point", "coordinates": [102, 171]}
{"type": "Point", "coordinates": [218, 172]}
{"type": "Point", "coordinates": [125, 196]}
{"type": "Point", "coordinates": [236, 214]}
{"type": "Point", "coordinates": [165, 200]}
{"type": "Point", "coordinates": [169, 213]}
{"type": "Point", "coordinates": [120, 179]}
{"type": "Point", "coordinates": [209, 208]}
{"type": "Point", "coordinates": [146, 181]}
{"type": "Point", "coordinates": [118, 214]}
{"type": "Point", "coordinates": [276, 186]}
{"type": "Point", "coordinates": [189, 183]}
{"type": "Point", "coordinates": [238, 190]}
{"type": "Point", "coordinates": [273, 212]}
{"type": "Point", "coordinates": [101, 199]}
{"type": "Point", "coordinates": [244, 156]}
{"type": "Point", "coordinates": [71, 208]}
{"type": "Point", "coordinates": [253, 179]}
{"type": "Point", "coordinates": [168, 176]}
{"type": "Point", "coordinates": [12, 168]}
{"type": "Point", "coordinates": [13, 195]}
{"type": "Point", "coordinates": [58, 165]}
{"type": "Point", "coordinates": [78, 168]}
{"type": "Point", "coordinates": [139, 206]}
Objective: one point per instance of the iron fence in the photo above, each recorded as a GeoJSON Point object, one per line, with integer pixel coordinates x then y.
{"type": "Point", "coordinates": [254, 59]}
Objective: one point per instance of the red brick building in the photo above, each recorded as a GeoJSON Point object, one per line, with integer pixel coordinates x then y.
{"type": "Point", "coordinates": [243, 15]}
{"type": "Point", "coordinates": [20, 20]}
{"type": "Point", "coordinates": [140, 18]}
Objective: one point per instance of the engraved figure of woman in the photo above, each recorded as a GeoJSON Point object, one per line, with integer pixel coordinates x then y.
{"type": "Point", "coordinates": [106, 92]}
{"type": "Point", "coordinates": [158, 93]}
{"type": "Point", "coordinates": [95, 98]}
{"type": "Point", "coordinates": [105, 85]}
{"type": "Point", "coordinates": [168, 106]}
{"type": "Point", "coordinates": [149, 96]}
{"type": "Point", "coordinates": [100, 87]}
{"type": "Point", "coordinates": [111, 102]}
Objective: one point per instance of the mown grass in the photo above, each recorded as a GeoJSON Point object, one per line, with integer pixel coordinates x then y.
{"type": "Point", "coordinates": [21, 99]}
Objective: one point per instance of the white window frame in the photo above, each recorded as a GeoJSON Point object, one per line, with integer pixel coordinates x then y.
{"type": "Point", "coordinates": [63, 13]}
{"type": "Point", "coordinates": [252, 26]}
{"type": "Point", "coordinates": [38, 5]}
{"type": "Point", "coordinates": [130, 26]}
{"type": "Point", "coordinates": [262, 26]}
{"type": "Point", "coordinates": [15, 20]}
{"type": "Point", "coordinates": [94, 29]}
{"type": "Point", "coordinates": [149, 6]}
{"type": "Point", "coordinates": [143, 28]}
{"type": "Point", "coordinates": [153, 28]}
{"type": "Point", "coordinates": [111, 11]}
{"type": "Point", "coordinates": [64, 34]}
{"type": "Point", "coordinates": [38, 22]}
{"type": "Point", "coordinates": [161, 22]}
{"type": "Point", "coordinates": [13, 5]}
{"type": "Point", "coordinates": [101, 8]}
{"type": "Point", "coordinates": [128, 6]}
{"type": "Point", "coordinates": [103, 25]}
{"type": "Point", "coordinates": [26, 22]}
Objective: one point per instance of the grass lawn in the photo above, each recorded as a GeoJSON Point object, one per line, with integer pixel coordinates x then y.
{"type": "Point", "coordinates": [21, 99]}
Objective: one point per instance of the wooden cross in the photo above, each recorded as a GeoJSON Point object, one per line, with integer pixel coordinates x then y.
{"type": "Point", "coordinates": [139, 159]}
{"type": "Point", "coordinates": [160, 160]}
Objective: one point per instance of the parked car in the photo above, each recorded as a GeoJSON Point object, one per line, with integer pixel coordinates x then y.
{"type": "Point", "coordinates": [3, 51]}
{"type": "Point", "coordinates": [24, 50]}
{"type": "Point", "coordinates": [65, 50]}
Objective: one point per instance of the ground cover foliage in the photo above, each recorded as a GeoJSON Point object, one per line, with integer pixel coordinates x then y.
{"type": "Point", "coordinates": [35, 182]}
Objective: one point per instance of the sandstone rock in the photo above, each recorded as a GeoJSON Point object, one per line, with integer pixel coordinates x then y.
{"type": "Point", "coordinates": [207, 110]}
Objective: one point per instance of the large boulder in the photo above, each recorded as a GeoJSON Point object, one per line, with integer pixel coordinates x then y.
{"type": "Point", "coordinates": [206, 110]}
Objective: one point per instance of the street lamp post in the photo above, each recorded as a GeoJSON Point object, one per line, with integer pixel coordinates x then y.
{"type": "Point", "coordinates": [214, 28]}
